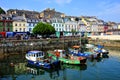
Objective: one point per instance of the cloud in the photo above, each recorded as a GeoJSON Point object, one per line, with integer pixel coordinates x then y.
{"type": "Point", "coordinates": [63, 1]}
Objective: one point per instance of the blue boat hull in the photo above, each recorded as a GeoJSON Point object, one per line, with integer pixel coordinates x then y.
{"type": "Point", "coordinates": [85, 54]}
{"type": "Point", "coordinates": [45, 64]}
{"type": "Point", "coordinates": [79, 54]}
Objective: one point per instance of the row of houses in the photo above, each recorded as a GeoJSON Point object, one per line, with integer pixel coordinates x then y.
{"type": "Point", "coordinates": [24, 21]}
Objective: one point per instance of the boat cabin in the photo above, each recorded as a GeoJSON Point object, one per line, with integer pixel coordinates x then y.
{"type": "Point", "coordinates": [35, 55]}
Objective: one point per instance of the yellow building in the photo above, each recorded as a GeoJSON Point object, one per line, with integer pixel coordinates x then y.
{"type": "Point", "coordinates": [118, 26]}
{"type": "Point", "coordinates": [19, 24]}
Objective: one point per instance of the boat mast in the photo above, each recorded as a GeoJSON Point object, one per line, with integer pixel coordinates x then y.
{"type": "Point", "coordinates": [80, 38]}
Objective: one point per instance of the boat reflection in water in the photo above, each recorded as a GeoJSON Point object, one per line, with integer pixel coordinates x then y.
{"type": "Point", "coordinates": [99, 59]}
{"type": "Point", "coordinates": [53, 73]}
{"type": "Point", "coordinates": [74, 67]}
{"type": "Point", "coordinates": [72, 70]}
{"type": "Point", "coordinates": [105, 56]}
{"type": "Point", "coordinates": [35, 71]}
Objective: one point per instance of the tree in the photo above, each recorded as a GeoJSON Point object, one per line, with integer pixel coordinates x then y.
{"type": "Point", "coordinates": [77, 19]}
{"type": "Point", "coordinates": [43, 29]}
{"type": "Point", "coordinates": [2, 11]}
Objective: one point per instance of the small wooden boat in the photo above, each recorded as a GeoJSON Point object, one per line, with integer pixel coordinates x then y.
{"type": "Point", "coordinates": [37, 58]}
{"type": "Point", "coordinates": [66, 58]}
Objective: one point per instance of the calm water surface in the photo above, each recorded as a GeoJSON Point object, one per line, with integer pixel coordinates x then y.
{"type": "Point", "coordinates": [102, 69]}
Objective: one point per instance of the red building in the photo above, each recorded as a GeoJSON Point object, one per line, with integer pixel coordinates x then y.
{"type": "Point", "coordinates": [5, 24]}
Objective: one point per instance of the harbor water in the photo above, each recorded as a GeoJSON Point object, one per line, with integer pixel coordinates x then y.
{"type": "Point", "coordinates": [15, 67]}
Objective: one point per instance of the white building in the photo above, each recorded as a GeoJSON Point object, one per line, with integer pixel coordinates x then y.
{"type": "Point", "coordinates": [31, 23]}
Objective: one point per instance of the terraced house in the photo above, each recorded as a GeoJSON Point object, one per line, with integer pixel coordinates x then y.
{"type": "Point", "coordinates": [58, 24]}
{"type": "Point", "coordinates": [19, 24]}
{"type": "Point", "coordinates": [31, 23]}
{"type": "Point", "coordinates": [95, 26]}
{"type": "Point", "coordinates": [6, 23]}
{"type": "Point", "coordinates": [70, 27]}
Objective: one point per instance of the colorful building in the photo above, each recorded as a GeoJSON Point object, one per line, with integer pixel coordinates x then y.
{"type": "Point", "coordinates": [19, 24]}
{"type": "Point", "coordinates": [6, 23]}
{"type": "Point", "coordinates": [70, 27]}
{"type": "Point", "coordinates": [31, 23]}
{"type": "Point", "coordinates": [58, 24]}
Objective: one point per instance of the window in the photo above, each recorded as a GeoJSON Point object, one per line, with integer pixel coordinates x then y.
{"type": "Point", "coordinates": [30, 29]}
{"type": "Point", "coordinates": [19, 24]}
{"type": "Point", "coordinates": [56, 29]}
{"type": "Point", "coordinates": [53, 24]}
{"type": "Point", "coordinates": [15, 24]}
{"type": "Point", "coordinates": [29, 24]}
{"type": "Point", "coordinates": [8, 24]}
{"type": "Point", "coordinates": [56, 25]}
{"type": "Point", "coordinates": [3, 29]}
{"type": "Point", "coordinates": [42, 54]}
{"type": "Point", "coordinates": [23, 24]}
{"type": "Point", "coordinates": [37, 55]}
{"type": "Point", "coordinates": [60, 29]}
{"type": "Point", "coordinates": [33, 24]}
{"type": "Point", "coordinates": [24, 29]}
{"type": "Point", "coordinates": [34, 55]}
{"type": "Point", "coordinates": [20, 29]}
{"type": "Point", "coordinates": [59, 25]}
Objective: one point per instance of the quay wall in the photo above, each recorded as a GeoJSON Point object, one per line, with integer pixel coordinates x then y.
{"type": "Point", "coordinates": [106, 37]}
{"type": "Point", "coordinates": [106, 40]}
{"type": "Point", "coordinates": [22, 46]}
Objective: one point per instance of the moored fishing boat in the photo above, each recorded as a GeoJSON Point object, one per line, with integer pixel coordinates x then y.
{"type": "Point", "coordinates": [100, 49]}
{"type": "Point", "coordinates": [76, 51]}
{"type": "Point", "coordinates": [66, 58]}
{"type": "Point", "coordinates": [37, 58]}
